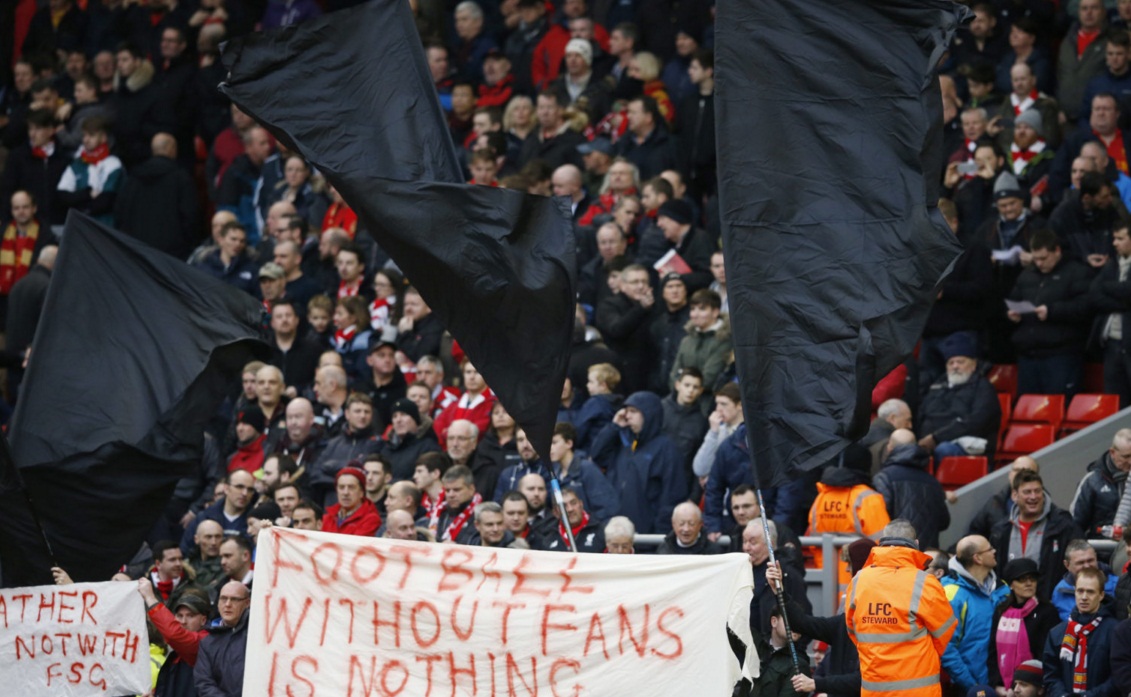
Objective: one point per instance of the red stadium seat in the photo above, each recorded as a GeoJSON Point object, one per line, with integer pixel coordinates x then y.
{"type": "Point", "coordinates": [1025, 439]}
{"type": "Point", "coordinates": [1087, 409]}
{"type": "Point", "coordinates": [954, 472]}
{"type": "Point", "coordinates": [1004, 378]}
{"type": "Point", "coordinates": [1006, 412]}
{"type": "Point", "coordinates": [1039, 409]}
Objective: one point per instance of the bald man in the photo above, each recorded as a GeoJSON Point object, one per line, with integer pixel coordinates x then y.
{"type": "Point", "coordinates": [566, 181]}
{"type": "Point", "coordinates": [243, 178]}
{"type": "Point", "coordinates": [303, 439]}
{"type": "Point", "coordinates": [687, 535]}
{"type": "Point", "coordinates": [205, 558]}
{"type": "Point", "coordinates": [400, 526]}
{"type": "Point", "coordinates": [974, 591]}
{"type": "Point", "coordinates": [220, 660]}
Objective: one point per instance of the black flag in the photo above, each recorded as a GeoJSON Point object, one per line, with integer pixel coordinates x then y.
{"type": "Point", "coordinates": [829, 126]}
{"type": "Point", "coordinates": [135, 352]}
{"type": "Point", "coordinates": [352, 93]}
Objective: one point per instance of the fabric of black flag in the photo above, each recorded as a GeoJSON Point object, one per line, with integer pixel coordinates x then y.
{"type": "Point", "coordinates": [134, 354]}
{"type": "Point", "coordinates": [829, 126]}
{"type": "Point", "coordinates": [352, 93]}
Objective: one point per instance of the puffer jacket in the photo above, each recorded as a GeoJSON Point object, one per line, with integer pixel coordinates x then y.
{"type": "Point", "coordinates": [707, 350]}
{"type": "Point", "coordinates": [1098, 497]}
{"type": "Point", "coordinates": [912, 493]}
{"type": "Point", "coordinates": [220, 660]}
{"type": "Point", "coordinates": [973, 604]}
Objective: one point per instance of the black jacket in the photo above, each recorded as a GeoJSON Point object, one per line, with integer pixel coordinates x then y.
{"type": "Point", "coordinates": [1038, 624]}
{"type": "Point", "coordinates": [298, 362]}
{"type": "Point", "coordinates": [157, 205]}
{"type": "Point", "coordinates": [695, 133]}
{"type": "Point", "coordinates": [423, 339]}
{"type": "Point", "coordinates": [338, 453]}
{"type": "Point", "coordinates": [993, 512]}
{"type": "Point", "coordinates": [1108, 295]}
{"type": "Point", "coordinates": [1083, 232]}
{"type": "Point", "coordinates": [1059, 531]}
{"type": "Point", "coordinates": [25, 305]}
{"type": "Point", "coordinates": [403, 452]}
{"type": "Point", "coordinates": [842, 663]}
{"type": "Point", "coordinates": [139, 114]}
{"type": "Point", "coordinates": [667, 331]}
{"type": "Point", "coordinates": [38, 177]}
{"type": "Point", "coordinates": [1064, 290]}
{"type": "Point", "coordinates": [557, 151]}
{"type": "Point", "coordinates": [912, 493]}
{"type": "Point", "coordinates": [625, 325]}
{"type": "Point", "coordinates": [220, 660]}
{"type": "Point", "coordinates": [965, 294]}
{"type": "Point", "coordinates": [1097, 496]}
{"type": "Point", "coordinates": [490, 459]}
{"type": "Point", "coordinates": [652, 156]}
{"type": "Point", "coordinates": [686, 426]}
{"type": "Point", "coordinates": [701, 545]}
{"type": "Point", "coordinates": [971, 409]}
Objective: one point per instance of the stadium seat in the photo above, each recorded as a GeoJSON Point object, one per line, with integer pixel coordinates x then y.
{"type": "Point", "coordinates": [1087, 409]}
{"type": "Point", "coordinates": [1006, 412]}
{"type": "Point", "coordinates": [1039, 409]}
{"type": "Point", "coordinates": [954, 472]}
{"type": "Point", "coordinates": [1025, 439]}
{"type": "Point", "coordinates": [1004, 378]}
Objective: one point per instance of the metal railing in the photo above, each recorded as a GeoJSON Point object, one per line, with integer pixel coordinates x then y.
{"type": "Point", "coordinates": [821, 585]}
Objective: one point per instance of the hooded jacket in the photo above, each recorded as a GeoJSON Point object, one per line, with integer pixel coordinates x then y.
{"type": "Point", "coordinates": [157, 205]}
{"type": "Point", "coordinates": [591, 486]}
{"type": "Point", "coordinates": [706, 349]}
{"type": "Point", "coordinates": [220, 660]}
{"type": "Point", "coordinates": [846, 504]}
{"type": "Point", "coordinates": [912, 493]}
{"type": "Point", "coordinates": [973, 605]}
{"type": "Point", "coordinates": [1057, 532]}
{"type": "Point", "coordinates": [644, 468]}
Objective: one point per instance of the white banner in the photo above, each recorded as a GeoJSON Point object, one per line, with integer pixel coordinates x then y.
{"type": "Point", "coordinates": [73, 641]}
{"type": "Point", "coordinates": [344, 616]}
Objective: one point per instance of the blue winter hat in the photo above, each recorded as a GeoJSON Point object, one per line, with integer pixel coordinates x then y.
{"type": "Point", "coordinates": [981, 691]}
{"type": "Point", "coordinates": [959, 344]}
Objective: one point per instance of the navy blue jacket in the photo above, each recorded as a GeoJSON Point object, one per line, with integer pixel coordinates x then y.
{"type": "Point", "coordinates": [731, 469]}
{"type": "Point", "coordinates": [645, 468]}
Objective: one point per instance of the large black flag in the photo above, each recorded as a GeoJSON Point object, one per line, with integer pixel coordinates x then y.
{"type": "Point", "coordinates": [829, 132]}
{"type": "Point", "coordinates": [352, 93]}
{"type": "Point", "coordinates": [134, 354]}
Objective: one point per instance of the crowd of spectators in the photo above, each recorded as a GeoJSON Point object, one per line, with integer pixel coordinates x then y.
{"type": "Point", "coordinates": [369, 420]}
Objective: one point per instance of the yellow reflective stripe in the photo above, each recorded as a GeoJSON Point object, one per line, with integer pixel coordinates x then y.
{"type": "Point", "coordinates": [896, 685]}
{"type": "Point", "coordinates": [872, 638]}
{"type": "Point", "coordinates": [943, 629]}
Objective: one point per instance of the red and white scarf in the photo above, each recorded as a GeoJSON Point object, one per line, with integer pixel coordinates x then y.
{"type": "Point", "coordinates": [1021, 157]}
{"type": "Point", "coordinates": [575, 530]}
{"type": "Point", "coordinates": [350, 290]}
{"type": "Point", "coordinates": [432, 508]}
{"type": "Point", "coordinates": [1074, 648]}
{"type": "Point", "coordinates": [42, 153]}
{"type": "Point", "coordinates": [455, 527]}
{"type": "Point", "coordinates": [1020, 105]}
{"type": "Point", "coordinates": [380, 311]}
{"type": "Point", "coordinates": [343, 337]}
{"type": "Point", "coordinates": [16, 251]}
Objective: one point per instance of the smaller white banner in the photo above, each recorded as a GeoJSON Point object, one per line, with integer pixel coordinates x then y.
{"type": "Point", "coordinates": [73, 641]}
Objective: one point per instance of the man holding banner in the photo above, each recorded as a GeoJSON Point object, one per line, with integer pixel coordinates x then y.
{"type": "Point", "coordinates": [182, 628]}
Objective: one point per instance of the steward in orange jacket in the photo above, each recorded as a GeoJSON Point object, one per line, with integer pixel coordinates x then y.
{"type": "Point", "coordinates": [900, 620]}
{"type": "Point", "coordinates": [847, 505]}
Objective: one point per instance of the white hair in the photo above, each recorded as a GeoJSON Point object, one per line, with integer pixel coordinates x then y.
{"type": "Point", "coordinates": [620, 527]}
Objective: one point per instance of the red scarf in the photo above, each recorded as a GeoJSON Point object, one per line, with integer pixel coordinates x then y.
{"type": "Point", "coordinates": [455, 527]}
{"type": "Point", "coordinates": [1117, 152]}
{"type": "Point", "coordinates": [496, 95]}
{"type": "Point", "coordinates": [345, 291]}
{"type": "Point", "coordinates": [1084, 39]}
{"type": "Point", "coordinates": [574, 530]}
{"type": "Point", "coordinates": [40, 153]}
{"type": "Point", "coordinates": [433, 508]}
{"type": "Point", "coordinates": [340, 215]}
{"type": "Point", "coordinates": [165, 588]}
{"type": "Point", "coordinates": [93, 157]}
{"type": "Point", "coordinates": [15, 254]}
{"type": "Point", "coordinates": [1074, 648]}
{"type": "Point", "coordinates": [343, 337]}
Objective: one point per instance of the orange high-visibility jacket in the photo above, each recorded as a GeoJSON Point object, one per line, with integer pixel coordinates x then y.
{"type": "Point", "coordinates": [856, 510]}
{"type": "Point", "coordinates": [900, 620]}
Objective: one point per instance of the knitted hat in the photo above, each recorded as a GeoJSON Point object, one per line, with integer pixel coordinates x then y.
{"type": "Point", "coordinates": [1032, 119]}
{"type": "Point", "coordinates": [268, 510]}
{"type": "Point", "coordinates": [678, 210]}
{"type": "Point", "coordinates": [981, 691]}
{"type": "Point", "coordinates": [1031, 671]}
{"type": "Point", "coordinates": [1007, 186]}
{"type": "Point", "coordinates": [252, 416]}
{"type": "Point", "coordinates": [351, 471]}
{"type": "Point", "coordinates": [581, 47]}
{"type": "Point", "coordinates": [407, 407]}
{"type": "Point", "coordinates": [959, 344]}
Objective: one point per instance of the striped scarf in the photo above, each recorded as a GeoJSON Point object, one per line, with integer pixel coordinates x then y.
{"type": "Point", "coordinates": [343, 338]}
{"type": "Point", "coordinates": [1020, 158]}
{"type": "Point", "coordinates": [15, 254]}
{"type": "Point", "coordinates": [1074, 648]}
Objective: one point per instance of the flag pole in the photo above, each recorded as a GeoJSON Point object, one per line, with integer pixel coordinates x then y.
{"type": "Point", "coordinates": [560, 501]}
{"type": "Point", "coordinates": [18, 480]}
{"type": "Point", "coordinates": [779, 591]}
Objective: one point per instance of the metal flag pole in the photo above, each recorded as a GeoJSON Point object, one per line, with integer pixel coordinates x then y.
{"type": "Point", "coordinates": [779, 591]}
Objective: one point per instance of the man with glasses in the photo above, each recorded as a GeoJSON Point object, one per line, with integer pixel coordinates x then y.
{"type": "Point", "coordinates": [1100, 490]}
{"type": "Point", "coordinates": [974, 591]}
{"type": "Point", "coordinates": [230, 512]}
{"type": "Point", "coordinates": [220, 662]}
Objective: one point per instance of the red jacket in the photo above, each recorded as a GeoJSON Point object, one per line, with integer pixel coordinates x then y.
{"type": "Point", "coordinates": [181, 640]}
{"type": "Point", "coordinates": [248, 458]}
{"type": "Point", "coordinates": [548, 55]}
{"type": "Point", "coordinates": [477, 412]}
{"type": "Point", "coordinates": [365, 521]}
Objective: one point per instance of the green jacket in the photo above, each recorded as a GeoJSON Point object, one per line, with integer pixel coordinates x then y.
{"type": "Point", "coordinates": [777, 670]}
{"type": "Point", "coordinates": [706, 350]}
